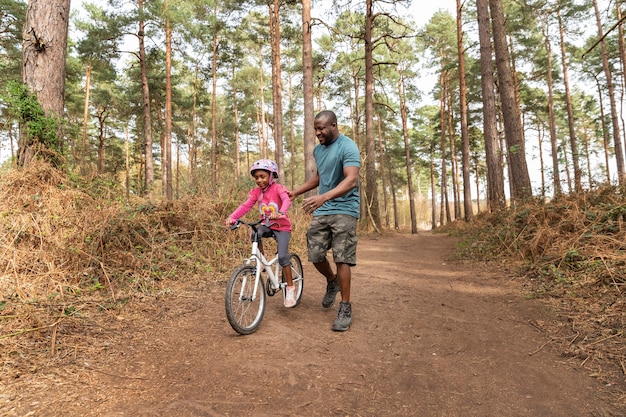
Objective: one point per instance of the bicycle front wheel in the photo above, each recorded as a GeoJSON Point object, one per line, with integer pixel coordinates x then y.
{"type": "Point", "coordinates": [298, 275]}
{"type": "Point", "coordinates": [244, 309]}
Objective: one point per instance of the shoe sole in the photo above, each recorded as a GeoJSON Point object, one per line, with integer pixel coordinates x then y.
{"type": "Point", "coordinates": [340, 329]}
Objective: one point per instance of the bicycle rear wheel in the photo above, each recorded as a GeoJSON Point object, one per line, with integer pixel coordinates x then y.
{"type": "Point", "coordinates": [297, 274]}
{"type": "Point", "coordinates": [244, 312]}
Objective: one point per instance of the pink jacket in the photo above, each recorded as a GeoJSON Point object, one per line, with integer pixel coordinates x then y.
{"type": "Point", "coordinates": [274, 198]}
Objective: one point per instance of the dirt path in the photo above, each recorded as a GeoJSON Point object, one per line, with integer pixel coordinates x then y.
{"type": "Point", "coordinates": [430, 337]}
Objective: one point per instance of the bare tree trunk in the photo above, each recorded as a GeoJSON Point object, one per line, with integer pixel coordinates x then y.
{"type": "Point", "coordinates": [519, 178]}
{"type": "Point", "coordinates": [292, 138]}
{"type": "Point", "coordinates": [445, 210]}
{"type": "Point", "coordinates": [236, 116]}
{"type": "Point", "coordinates": [540, 133]}
{"type": "Point", "coordinates": [454, 160]}
{"type": "Point", "coordinates": [127, 161]}
{"type": "Point", "coordinates": [145, 98]}
{"type": "Point", "coordinates": [495, 176]}
{"type": "Point", "coordinates": [622, 54]}
{"type": "Point", "coordinates": [167, 131]}
{"type": "Point", "coordinates": [396, 223]}
{"type": "Point", "coordinates": [307, 86]}
{"type": "Point", "coordinates": [277, 89]}
{"type": "Point", "coordinates": [465, 141]}
{"type": "Point", "coordinates": [370, 148]}
{"type": "Point", "coordinates": [102, 116]}
{"type": "Point", "coordinates": [407, 155]}
{"type": "Point", "coordinates": [43, 65]}
{"type": "Point", "coordinates": [570, 111]}
{"type": "Point", "coordinates": [556, 175]}
{"type": "Point", "coordinates": [214, 167]}
{"type": "Point", "coordinates": [433, 189]}
{"type": "Point", "coordinates": [605, 131]}
{"type": "Point", "coordinates": [191, 136]}
{"type": "Point", "coordinates": [177, 182]}
{"type": "Point", "coordinates": [617, 139]}
{"type": "Point", "coordinates": [381, 154]}
{"type": "Point", "coordinates": [83, 154]}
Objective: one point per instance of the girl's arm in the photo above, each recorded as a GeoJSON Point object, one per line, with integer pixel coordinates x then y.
{"type": "Point", "coordinates": [285, 201]}
{"type": "Point", "coordinates": [244, 207]}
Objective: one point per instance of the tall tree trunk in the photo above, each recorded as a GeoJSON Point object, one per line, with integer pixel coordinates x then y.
{"type": "Point", "coordinates": [83, 154]}
{"type": "Point", "coordinates": [540, 133]}
{"type": "Point", "coordinates": [382, 156]}
{"type": "Point", "coordinates": [495, 176]}
{"type": "Point", "coordinates": [556, 174]}
{"type": "Point", "coordinates": [370, 148]}
{"type": "Point", "coordinates": [617, 139]}
{"type": "Point", "coordinates": [622, 54]}
{"type": "Point", "coordinates": [263, 130]}
{"type": "Point", "coordinates": [277, 89]}
{"type": "Point", "coordinates": [519, 179]}
{"type": "Point", "coordinates": [454, 160]}
{"type": "Point", "coordinates": [43, 64]}
{"type": "Point", "coordinates": [433, 188]}
{"type": "Point", "coordinates": [127, 162]}
{"type": "Point", "coordinates": [191, 137]}
{"type": "Point", "coordinates": [570, 110]}
{"type": "Point", "coordinates": [445, 210]}
{"type": "Point", "coordinates": [145, 99]}
{"type": "Point", "coordinates": [468, 211]}
{"type": "Point", "coordinates": [292, 138]}
{"type": "Point", "coordinates": [396, 223]}
{"type": "Point", "coordinates": [605, 131]}
{"type": "Point", "coordinates": [407, 155]}
{"type": "Point", "coordinates": [102, 116]}
{"type": "Point", "coordinates": [307, 86]}
{"type": "Point", "coordinates": [167, 131]}
{"type": "Point", "coordinates": [236, 117]}
{"type": "Point", "coordinates": [214, 159]}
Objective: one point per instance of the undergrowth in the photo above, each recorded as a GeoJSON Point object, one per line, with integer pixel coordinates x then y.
{"type": "Point", "coordinates": [571, 253]}
{"type": "Point", "coordinates": [74, 254]}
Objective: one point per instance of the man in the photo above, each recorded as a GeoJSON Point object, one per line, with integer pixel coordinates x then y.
{"type": "Point", "coordinates": [335, 209]}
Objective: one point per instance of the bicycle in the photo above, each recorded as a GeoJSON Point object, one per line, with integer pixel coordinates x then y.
{"type": "Point", "coordinates": [246, 292]}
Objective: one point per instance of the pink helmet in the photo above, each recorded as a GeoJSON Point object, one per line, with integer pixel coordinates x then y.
{"type": "Point", "coordinates": [266, 165]}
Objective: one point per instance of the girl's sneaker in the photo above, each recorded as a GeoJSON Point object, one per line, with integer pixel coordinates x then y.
{"type": "Point", "coordinates": [290, 296]}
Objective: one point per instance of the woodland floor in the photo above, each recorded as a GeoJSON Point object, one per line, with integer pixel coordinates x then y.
{"type": "Point", "coordinates": [430, 337]}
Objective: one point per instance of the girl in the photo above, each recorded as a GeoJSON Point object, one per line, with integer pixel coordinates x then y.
{"type": "Point", "coordinates": [273, 200]}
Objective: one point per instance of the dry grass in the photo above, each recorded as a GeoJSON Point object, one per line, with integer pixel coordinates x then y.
{"type": "Point", "coordinates": [73, 258]}
{"type": "Point", "coordinates": [571, 252]}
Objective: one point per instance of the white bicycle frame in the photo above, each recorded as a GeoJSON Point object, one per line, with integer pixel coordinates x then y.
{"type": "Point", "coordinates": [262, 264]}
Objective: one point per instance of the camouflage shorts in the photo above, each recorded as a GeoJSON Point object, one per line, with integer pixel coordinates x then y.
{"type": "Point", "coordinates": [336, 232]}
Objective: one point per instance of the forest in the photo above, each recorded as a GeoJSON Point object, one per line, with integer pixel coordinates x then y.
{"type": "Point", "coordinates": [127, 129]}
{"type": "Point", "coordinates": [169, 99]}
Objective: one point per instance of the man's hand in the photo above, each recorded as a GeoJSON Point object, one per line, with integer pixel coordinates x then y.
{"type": "Point", "coordinates": [310, 204]}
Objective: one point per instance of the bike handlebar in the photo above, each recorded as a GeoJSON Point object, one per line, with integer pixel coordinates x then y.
{"type": "Point", "coordinates": [267, 222]}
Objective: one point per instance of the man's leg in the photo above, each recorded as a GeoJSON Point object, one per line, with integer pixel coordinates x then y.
{"type": "Point", "coordinates": [344, 276]}
{"type": "Point", "coordinates": [332, 285]}
{"type": "Point", "coordinates": [344, 313]}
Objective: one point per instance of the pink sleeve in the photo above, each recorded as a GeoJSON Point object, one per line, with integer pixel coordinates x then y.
{"type": "Point", "coordinates": [247, 205]}
{"type": "Point", "coordinates": [285, 202]}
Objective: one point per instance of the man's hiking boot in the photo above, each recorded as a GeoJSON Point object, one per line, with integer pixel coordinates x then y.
{"type": "Point", "coordinates": [344, 317]}
{"type": "Point", "coordinates": [332, 288]}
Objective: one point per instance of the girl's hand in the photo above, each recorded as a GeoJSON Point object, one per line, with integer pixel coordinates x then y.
{"type": "Point", "coordinates": [230, 221]}
{"type": "Point", "coordinates": [275, 215]}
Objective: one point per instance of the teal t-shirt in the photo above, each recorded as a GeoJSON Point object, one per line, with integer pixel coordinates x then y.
{"type": "Point", "coordinates": [330, 161]}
